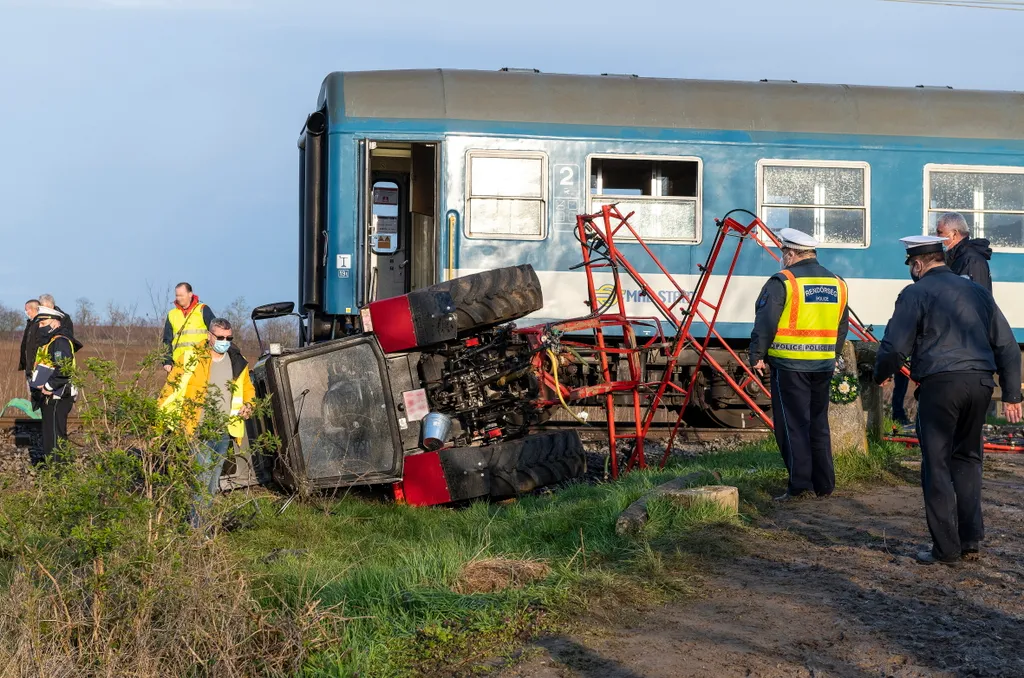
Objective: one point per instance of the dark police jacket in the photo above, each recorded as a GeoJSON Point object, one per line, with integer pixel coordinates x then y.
{"type": "Point", "coordinates": [946, 323]}
{"type": "Point", "coordinates": [29, 345]}
{"type": "Point", "coordinates": [61, 346]}
{"type": "Point", "coordinates": [768, 310]}
{"type": "Point", "coordinates": [31, 340]}
{"type": "Point", "coordinates": [970, 259]}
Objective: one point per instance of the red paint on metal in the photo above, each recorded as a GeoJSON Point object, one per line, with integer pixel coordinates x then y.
{"type": "Point", "coordinates": [423, 481]}
{"type": "Point", "coordinates": [910, 441]}
{"type": "Point", "coordinates": [597, 235]}
{"type": "Point", "coordinates": [392, 323]}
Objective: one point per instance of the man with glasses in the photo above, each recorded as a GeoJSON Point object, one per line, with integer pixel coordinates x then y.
{"type": "Point", "coordinates": [212, 393]}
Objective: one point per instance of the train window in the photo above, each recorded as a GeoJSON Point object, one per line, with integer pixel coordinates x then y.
{"type": "Point", "coordinates": [991, 199]}
{"type": "Point", "coordinates": [664, 193]}
{"type": "Point", "coordinates": [506, 195]}
{"type": "Point", "coordinates": [825, 199]}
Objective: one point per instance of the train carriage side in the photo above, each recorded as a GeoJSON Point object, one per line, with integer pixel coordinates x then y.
{"type": "Point", "coordinates": [435, 174]}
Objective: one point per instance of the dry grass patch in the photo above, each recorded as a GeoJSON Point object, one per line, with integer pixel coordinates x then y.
{"type": "Point", "coordinates": [491, 575]}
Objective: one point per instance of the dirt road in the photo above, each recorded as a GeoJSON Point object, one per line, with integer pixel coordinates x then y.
{"type": "Point", "coordinates": [829, 588]}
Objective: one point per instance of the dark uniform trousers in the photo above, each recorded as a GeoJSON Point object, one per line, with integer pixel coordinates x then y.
{"type": "Point", "coordinates": [800, 414]}
{"type": "Point", "coordinates": [951, 413]}
{"type": "Point", "coordinates": [55, 423]}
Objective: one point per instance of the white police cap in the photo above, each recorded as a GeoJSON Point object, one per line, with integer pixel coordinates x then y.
{"type": "Point", "coordinates": [793, 239]}
{"type": "Point", "coordinates": [922, 244]}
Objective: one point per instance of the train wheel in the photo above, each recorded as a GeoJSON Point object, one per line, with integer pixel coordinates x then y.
{"type": "Point", "coordinates": [493, 297]}
{"type": "Point", "coordinates": [735, 417]}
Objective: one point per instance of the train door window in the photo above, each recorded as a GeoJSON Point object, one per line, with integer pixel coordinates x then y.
{"type": "Point", "coordinates": [506, 195]}
{"type": "Point", "coordinates": [991, 200]}
{"type": "Point", "coordinates": [384, 217]}
{"type": "Point", "coordinates": [826, 199]}
{"type": "Point", "coordinates": [662, 192]}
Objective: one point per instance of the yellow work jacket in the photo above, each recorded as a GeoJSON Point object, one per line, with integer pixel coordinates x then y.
{"type": "Point", "coordinates": [189, 330]}
{"type": "Point", "coordinates": [188, 381]}
{"type": "Point", "coordinates": [809, 325]}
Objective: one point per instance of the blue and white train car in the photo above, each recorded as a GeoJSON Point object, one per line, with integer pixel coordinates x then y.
{"type": "Point", "coordinates": [413, 177]}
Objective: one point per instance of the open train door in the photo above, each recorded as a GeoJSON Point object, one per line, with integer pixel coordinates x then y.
{"type": "Point", "coordinates": [401, 227]}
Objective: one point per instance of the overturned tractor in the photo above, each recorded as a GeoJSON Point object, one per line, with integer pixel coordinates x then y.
{"type": "Point", "coordinates": [438, 397]}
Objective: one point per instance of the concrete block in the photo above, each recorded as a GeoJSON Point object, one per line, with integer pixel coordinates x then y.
{"type": "Point", "coordinates": [728, 498]}
{"type": "Point", "coordinates": [634, 517]}
{"type": "Point", "coordinates": [848, 422]}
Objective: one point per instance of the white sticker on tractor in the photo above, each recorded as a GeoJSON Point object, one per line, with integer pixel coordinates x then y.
{"type": "Point", "coordinates": [416, 406]}
{"type": "Point", "coordinates": [402, 423]}
{"type": "Point", "coordinates": [344, 261]}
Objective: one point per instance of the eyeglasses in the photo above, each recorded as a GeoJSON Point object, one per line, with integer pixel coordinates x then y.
{"type": "Point", "coordinates": [230, 337]}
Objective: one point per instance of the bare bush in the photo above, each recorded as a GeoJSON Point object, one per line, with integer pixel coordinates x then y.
{"type": "Point", "coordinates": [238, 314]}
{"type": "Point", "coordinates": [101, 574]}
{"type": "Point", "coordinates": [11, 319]}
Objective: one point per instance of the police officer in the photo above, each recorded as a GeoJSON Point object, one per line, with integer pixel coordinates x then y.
{"type": "Point", "coordinates": [965, 257]}
{"type": "Point", "coordinates": [956, 337]}
{"type": "Point", "coordinates": [52, 390]}
{"type": "Point", "coordinates": [800, 326]}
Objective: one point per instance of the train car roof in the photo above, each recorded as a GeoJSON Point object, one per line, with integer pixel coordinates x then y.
{"type": "Point", "coordinates": [626, 101]}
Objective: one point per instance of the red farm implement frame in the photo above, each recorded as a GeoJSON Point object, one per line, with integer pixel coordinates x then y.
{"type": "Point", "coordinates": [599, 236]}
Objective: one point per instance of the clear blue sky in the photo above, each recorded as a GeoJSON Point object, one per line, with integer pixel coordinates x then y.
{"type": "Point", "coordinates": [144, 142]}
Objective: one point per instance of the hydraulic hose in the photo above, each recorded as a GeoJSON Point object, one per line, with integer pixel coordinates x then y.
{"type": "Point", "coordinates": [558, 387]}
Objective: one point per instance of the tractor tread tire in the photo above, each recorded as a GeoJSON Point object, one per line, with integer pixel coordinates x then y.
{"type": "Point", "coordinates": [523, 465]}
{"type": "Point", "coordinates": [494, 297]}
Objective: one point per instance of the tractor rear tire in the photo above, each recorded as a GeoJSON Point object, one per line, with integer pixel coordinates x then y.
{"type": "Point", "coordinates": [494, 297]}
{"type": "Point", "coordinates": [523, 465]}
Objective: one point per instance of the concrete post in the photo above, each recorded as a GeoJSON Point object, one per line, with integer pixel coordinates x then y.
{"type": "Point", "coordinates": [848, 422]}
{"type": "Point", "coordinates": [871, 396]}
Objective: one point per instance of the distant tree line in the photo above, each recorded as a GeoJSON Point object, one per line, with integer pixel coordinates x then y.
{"type": "Point", "coordinates": [88, 319]}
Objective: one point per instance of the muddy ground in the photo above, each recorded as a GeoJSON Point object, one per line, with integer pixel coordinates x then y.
{"type": "Point", "coordinates": [828, 588]}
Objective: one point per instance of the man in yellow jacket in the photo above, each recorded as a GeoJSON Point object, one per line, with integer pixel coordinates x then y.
{"type": "Point", "coordinates": [215, 380]}
{"type": "Point", "coordinates": [800, 325]}
{"type": "Point", "coordinates": [186, 325]}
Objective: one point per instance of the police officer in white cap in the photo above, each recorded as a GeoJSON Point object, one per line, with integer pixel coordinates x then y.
{"type": "Point", "coordinates": [956, 338]}
{"type": "Point", "coordinates": [799, 328]}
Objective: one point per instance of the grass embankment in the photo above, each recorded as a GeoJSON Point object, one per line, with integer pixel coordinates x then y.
{"type": "Point", "coordinates": [392, 571]}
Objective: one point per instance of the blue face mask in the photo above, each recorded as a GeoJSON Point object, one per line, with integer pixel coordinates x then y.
{"type": "Point", "coordinates": [221, 346]}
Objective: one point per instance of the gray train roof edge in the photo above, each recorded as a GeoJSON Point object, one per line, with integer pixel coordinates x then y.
{"type": "Point", "coordinates": [627, 101]}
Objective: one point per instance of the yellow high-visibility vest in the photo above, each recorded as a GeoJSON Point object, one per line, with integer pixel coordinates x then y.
{"type": "Point", "coordinates": [188, 383]}
{"type": "Point", "coordinates": [189, 330]}
{"type": "Point", "coordinates": [43, 354]}
{"type": "Point", "coordinates": [809, 325]}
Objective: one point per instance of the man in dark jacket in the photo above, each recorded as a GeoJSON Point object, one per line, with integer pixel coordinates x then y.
{"type": "Point", "coordinates": [965, 256]}
{"type": "Point", "coordinates": [27, 356]}
{"type": "Point", "coordinates": [956, 338]}
{"type": "Point", "coordinates": [52, 390]}
{"type": "Point", "coordinates": [66, 325]}
{"type": "Point", "coordinates": [800, 327]}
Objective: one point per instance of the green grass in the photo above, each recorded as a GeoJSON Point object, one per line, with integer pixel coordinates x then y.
{"type": "Point", "coordinates": [390, 569]}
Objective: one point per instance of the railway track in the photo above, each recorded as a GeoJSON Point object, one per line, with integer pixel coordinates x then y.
{"type": "Point", "coordinates": [598, 432]}
{"type": "Point", "coordinates": [593, 433]}
{"type": "Point", "coordinates": [8, 422]}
